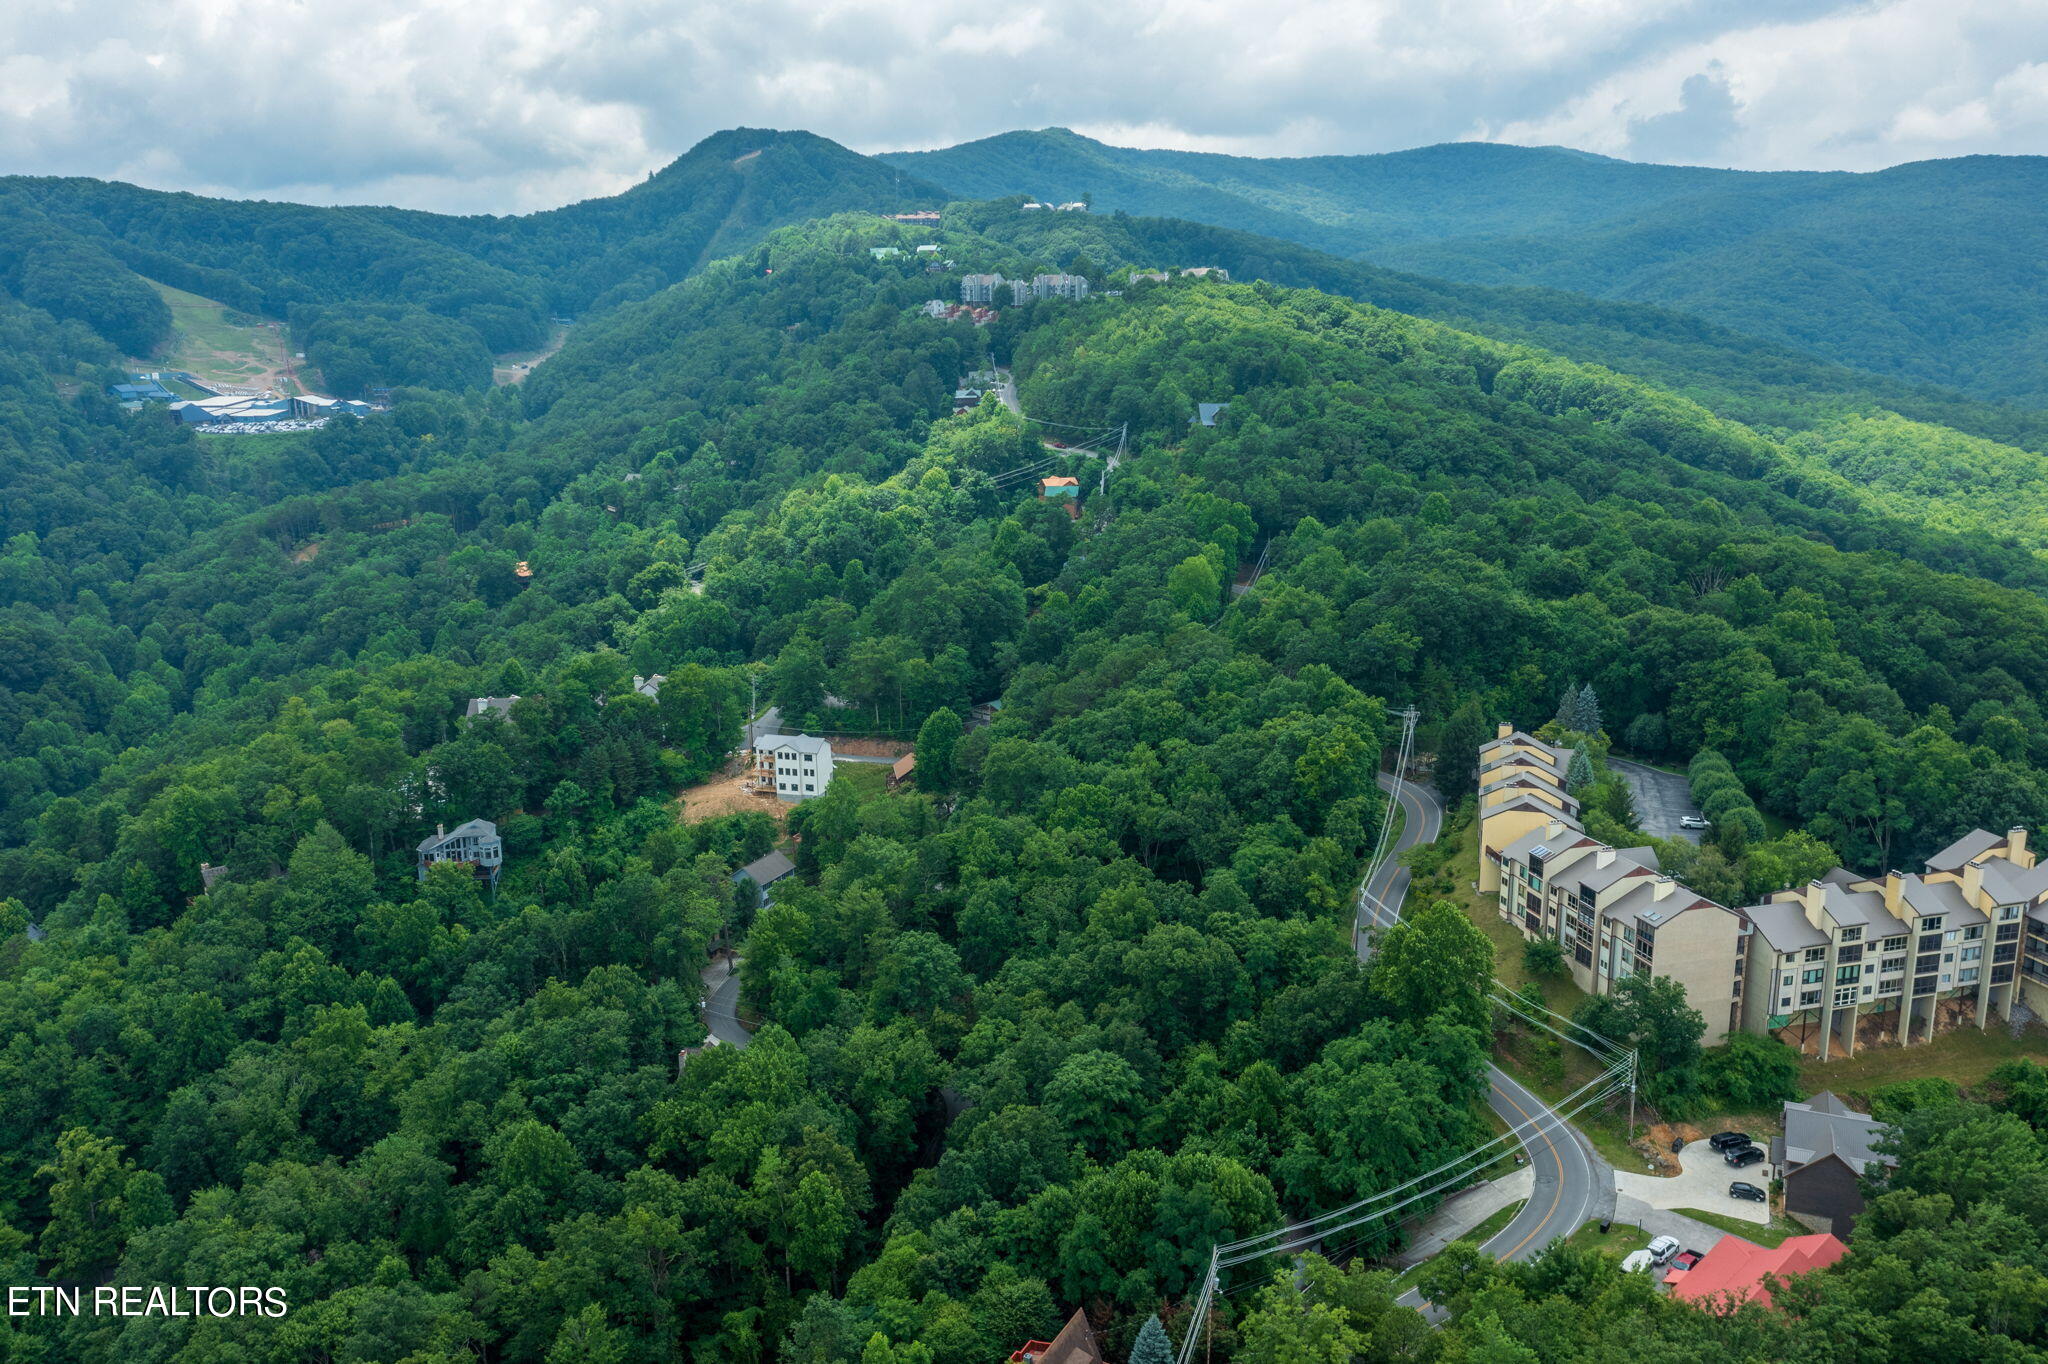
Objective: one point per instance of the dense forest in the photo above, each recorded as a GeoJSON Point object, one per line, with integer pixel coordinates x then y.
{"type": "Point", "coordinates": [1035, 1030]}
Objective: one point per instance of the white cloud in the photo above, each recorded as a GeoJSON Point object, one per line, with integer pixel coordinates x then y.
{"type": "Point", "coordinates": [516, 104]}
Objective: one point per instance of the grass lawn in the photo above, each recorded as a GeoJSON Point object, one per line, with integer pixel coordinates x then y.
{"type": "Point", "coordinates": [1619, 1240]}
{"type": "Point", "coordinates": [1965, 1055]}
{"type": "Point", "coordinates": [867, 779]}
{"type": "Point", "coordinates": [1484, 912]}
{"type": "Point", "coordinates": [1772, 1235]}
{"type": "Point", "coordinates": [1479, 1235]}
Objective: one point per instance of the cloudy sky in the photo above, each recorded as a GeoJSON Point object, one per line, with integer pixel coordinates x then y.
{"type": "Point", "coordinates": [508, 105]}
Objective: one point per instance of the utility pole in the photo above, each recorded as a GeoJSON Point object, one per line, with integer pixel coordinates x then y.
{"type": "Point", "coordinates": [1633, 1058]}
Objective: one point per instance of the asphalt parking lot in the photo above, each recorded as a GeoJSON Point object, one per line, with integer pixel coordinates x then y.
{"type": "Point", "coordinates": [1662, 799]}
{"type": "Point", "coordinates": [1702, 1182]}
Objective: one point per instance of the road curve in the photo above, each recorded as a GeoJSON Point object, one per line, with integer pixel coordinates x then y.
{"type": "Point", "coordinates": [721, 1004]}
{"type": "Point", "coordinates": [1569, 1178]}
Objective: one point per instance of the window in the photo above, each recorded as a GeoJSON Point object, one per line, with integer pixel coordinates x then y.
{"type": "Point", "coordinates": [1844, 974]}
{"type": "Point", "coordinates": [1849, 954]}
{"type": "Point", "coordinates": [1931, 924]}
{"type": "Point", "coordinates": [1845, 995]}
{"type": "Point", "coordinates": [809, 786]}
{"type": "Point", "coordinates": [1813, 977]}
{"type": "Point", "coordinates": [1967, 976]}
{"type": "Point", "coordinates": [1973, 933]}
{"type": "Point", "coordinates": [2007, 913]}
{"type": "Point", "coordinates": [1897, 944]}
{"type": "Point", "coordinates": [1854, 934]}
{"type": "Point", "coordinates": [1787, 981]}
{"type": "Point", "coordinates": [1808, 998]}
{"type": "Point", "coordinates": [1973, 954]}
{"type": "Point", "coordinates": [1816, 954]}
{"type": "Point", "coordinates": [1890, 964]}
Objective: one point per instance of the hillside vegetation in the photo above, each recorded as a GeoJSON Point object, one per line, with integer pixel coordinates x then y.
{"type": "Point", "coordinates": [1922, 272]}
{"type": "Point", "coordinates": [1036, 1030]}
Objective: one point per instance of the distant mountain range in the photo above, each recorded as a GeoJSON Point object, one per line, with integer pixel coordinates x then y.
{"type": "Point", "coordinates": [1928, 271]}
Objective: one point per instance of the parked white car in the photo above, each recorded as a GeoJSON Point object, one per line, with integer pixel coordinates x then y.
{"type": "Point", "coordinates": [1694, 822]}
{"type": "Point", "coordinates": [1663, 1248]}
{"type": "Point", "coordinates": [1637, 1262]}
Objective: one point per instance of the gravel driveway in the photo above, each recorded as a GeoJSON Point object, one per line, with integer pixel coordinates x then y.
{"type": "Point", "coordinates": [1662, 799]}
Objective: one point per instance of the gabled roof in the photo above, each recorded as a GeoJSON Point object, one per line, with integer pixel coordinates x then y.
{"type": "Point", "coordinates": [1642, 905]}
{"type": "Point", "coordinates": [1523, 779]}
{"type": "Point", "coordinates": [1827, 1126]}
{"type": "Point", "coordinates": [1965, 850]}
{"type": "Point", "coordinates": [477, 828]}
{"type": "Point", "coordinates": [1784, 926]}
{"type": "Point", "coordinates": [1864, 908]}
{"type": "Point", "coordinates": [1531, 804]}
{"type": "Point", "coordinates": [1541, 837]}
{"type": "Point", "coordinates": [766, 870]}
{"type": "Point", "coordinates": [1734, 1270]}
{"type": "Point", "coordinates": [2008, 883]}
{"type": "Point", "coordinates": [796, 743]}
{"type": "Point", "coordinates": [1075, 1344]}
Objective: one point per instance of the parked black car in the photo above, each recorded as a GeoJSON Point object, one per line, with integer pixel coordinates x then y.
{"type": "Point", "coordinates": [1749, 1191]}
{"type": "Point", "coordinates": [1748, 1155]}
{"type": "Point", "coordinates": [1728, 1141]}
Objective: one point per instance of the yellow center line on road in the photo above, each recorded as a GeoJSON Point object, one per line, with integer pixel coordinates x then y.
{"type": "Point", "coordinates": [1557, 1199]}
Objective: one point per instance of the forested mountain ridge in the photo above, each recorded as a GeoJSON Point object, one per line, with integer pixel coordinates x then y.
{"type": "Point", "coordinates": [389, 297]}
{"type": "Point", "coordinates": [1348, 205]}
{"type": "Point", "coordinates": [1035, 1035]}
{"type": "Point", "coordinates": [1923, 271]}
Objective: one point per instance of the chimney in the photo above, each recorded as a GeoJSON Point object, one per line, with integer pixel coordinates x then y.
{"type": "Point", "coordinates": [440, 831]}
{"type": "Point", "coordinates": [1973, 881]}
{"type": "Point", "coordinates": [1894, 886]}
{"type": "Point", "coordinates": [1664, 885]}
{"type": "Point", "coordinates": [1603, 857]}
{"type": "Point", "coordinates": [2016, 843]}
{"type": "Point", "coordinates": [1503, 730]}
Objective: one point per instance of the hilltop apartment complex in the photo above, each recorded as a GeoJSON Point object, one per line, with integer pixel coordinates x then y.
{"type": "Point", "coordinates": [1896, 956]}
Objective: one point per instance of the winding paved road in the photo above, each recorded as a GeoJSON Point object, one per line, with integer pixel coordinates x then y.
{"type": "Point", "coordinates": [1571, 1182]}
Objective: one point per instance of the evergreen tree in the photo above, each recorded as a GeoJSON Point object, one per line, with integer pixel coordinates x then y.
{"type": "Point", "coordinates": [1152, 1346]}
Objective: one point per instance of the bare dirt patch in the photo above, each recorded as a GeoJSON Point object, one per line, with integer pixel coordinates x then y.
{"type": "Point", "coordinates": [728, 795]}
{"type": "Point", "coordinates": [868, 748]}
{"type": "Point", "coordinates": [306, 553]}
{"type": "Point", "coordinates": [513, 366]}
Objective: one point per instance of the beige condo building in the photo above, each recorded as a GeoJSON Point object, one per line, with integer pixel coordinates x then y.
{"type": "Point", "coordinates": [1837, 962]}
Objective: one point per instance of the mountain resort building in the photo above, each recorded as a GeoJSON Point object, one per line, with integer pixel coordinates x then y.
{"type": "Point", "coordinates": [1843, 961]}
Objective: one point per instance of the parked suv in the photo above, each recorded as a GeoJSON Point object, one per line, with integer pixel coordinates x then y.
{"type": "Point", "coordinates": [1694, 822]}
{"type": "Point", "coordinates": [1663, 1248]}
{"type": "Point", "coordinates": [1748, 1155]}
{"type": "Point", "coordinates": [1749, 1191]}
{"type": "Point", "coordinates": [1725, 1142]}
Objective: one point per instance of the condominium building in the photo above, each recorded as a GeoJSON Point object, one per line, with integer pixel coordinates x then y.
{"type": "Point", "coordinates": [979, 288]}
{"type": "Point", "coordinates": [1615, 914]}
{"type": "Point", "coordinates": [1905, 953]}
{"type": "Point", "coordinates": [1901, 956]}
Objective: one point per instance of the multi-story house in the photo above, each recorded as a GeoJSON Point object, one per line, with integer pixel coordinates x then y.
{"type": "Point", "coordinates": [476, 843]}
{"type": "Point", "coordinates": [794, 766]}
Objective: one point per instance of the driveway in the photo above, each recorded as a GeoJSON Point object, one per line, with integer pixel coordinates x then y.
{"type": "Point", "coordinates": [721, 1003]}
{"type": "Point", "coordinates": [1662, 799]}
{"type": "Point", "coordinates": [1701, 1182]}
